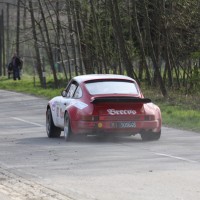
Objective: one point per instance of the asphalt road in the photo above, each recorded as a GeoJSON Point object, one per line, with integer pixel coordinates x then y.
{"type": "Point", "coordinates": [34, 167]}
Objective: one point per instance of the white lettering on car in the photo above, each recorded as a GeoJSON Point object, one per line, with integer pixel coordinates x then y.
{"type": "Point", "coordinates": [121, 112]}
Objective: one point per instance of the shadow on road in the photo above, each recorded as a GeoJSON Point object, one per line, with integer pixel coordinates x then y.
{"type": "Point", "coordinates": [78, 139]}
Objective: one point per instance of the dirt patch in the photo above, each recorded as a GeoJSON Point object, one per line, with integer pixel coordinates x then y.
{"type": "Point", "coordinates": [18, 188]}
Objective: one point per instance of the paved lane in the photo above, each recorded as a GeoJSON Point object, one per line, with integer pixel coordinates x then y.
{"type": "Point", "coordinates": [34, 166]}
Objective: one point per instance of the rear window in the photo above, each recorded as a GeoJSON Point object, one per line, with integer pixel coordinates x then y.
{"type": "Point", "coordinates": [111, 87]}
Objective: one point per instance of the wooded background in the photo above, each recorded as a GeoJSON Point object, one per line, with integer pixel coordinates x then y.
{"type": "Point", "coordinates": [156, 42]}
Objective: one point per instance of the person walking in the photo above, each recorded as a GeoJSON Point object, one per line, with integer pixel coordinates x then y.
{"type": "Point", "coordinates": [16, 62]}
{"type": "Point", "coordinates": [10, 69]}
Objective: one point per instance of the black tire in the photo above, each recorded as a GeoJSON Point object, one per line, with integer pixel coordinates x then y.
{"type": "Point", "coordinates": [52, 130]}
{"type": "Point", "coordinates": [67, 127]}
{"type": "Point", "coordinates": [149, 136]}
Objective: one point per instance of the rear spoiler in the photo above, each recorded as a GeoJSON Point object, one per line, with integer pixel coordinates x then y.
{"type": "Point", "coordinates": [120, 99]}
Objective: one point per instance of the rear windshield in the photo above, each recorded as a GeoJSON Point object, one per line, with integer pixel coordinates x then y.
{"type": "Point", "coordinates": [111, 87]}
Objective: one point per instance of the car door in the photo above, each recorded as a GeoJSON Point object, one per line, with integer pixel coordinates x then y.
{"type": "Point", "coordinates": [66, 100]}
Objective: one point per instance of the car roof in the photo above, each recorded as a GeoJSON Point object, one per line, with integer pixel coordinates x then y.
{"type": "Point", "coordinates": [90, 77]}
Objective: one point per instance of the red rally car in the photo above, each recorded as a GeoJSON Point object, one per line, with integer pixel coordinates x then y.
{"type": "Point", "coordinates": [103, 104]}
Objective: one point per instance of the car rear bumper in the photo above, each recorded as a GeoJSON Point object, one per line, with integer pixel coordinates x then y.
{"type": "Point", "coordinates": [108, 126]}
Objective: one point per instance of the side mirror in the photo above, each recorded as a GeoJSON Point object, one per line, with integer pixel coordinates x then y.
{"type": "Point", "coordinates": [64, 93]}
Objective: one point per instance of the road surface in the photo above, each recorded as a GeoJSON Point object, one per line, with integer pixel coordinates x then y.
{"type": "Point", "coordinates": [34, 167]}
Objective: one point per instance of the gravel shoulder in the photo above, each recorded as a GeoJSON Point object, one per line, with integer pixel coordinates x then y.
{"type": "Point", "coordinates": [17, 188]}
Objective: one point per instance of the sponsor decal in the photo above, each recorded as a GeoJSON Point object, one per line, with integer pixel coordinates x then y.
{"type": "Point", "coordinates": [61, 113]}
{"type": "Point", "coordinates": [57, 112]}
{"type": "Point", "coordinates": [80, 105]}
{"type": "Point", "coordinates": [53, 105]}
{"type": "Point", "coordinates": [121, 112]}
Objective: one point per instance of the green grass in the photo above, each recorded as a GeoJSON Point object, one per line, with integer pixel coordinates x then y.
{"type": "Point", "coordinates": [179, 117]}
{"type": "Point", "coordinates": [29, 86]}
{"type": "Point", "coordinates": [178, 110]}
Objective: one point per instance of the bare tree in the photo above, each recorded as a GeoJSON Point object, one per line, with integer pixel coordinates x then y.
{"type": "Point", "coordinates": [38, 59]}
{"type": "Point", "coordinates": [141, 42]}
{"type": "Point", "coordinates": [102, 52]}
{"type": "Point", "coordinates": [49, 47]}
{"type": "Point", "coordinates": [77, 34]}
{"type": "Point", "coordinates": [8, 32]}
{"type": "Point", "coordinates": [113, 4]}
{"type": "Point", "coordinates": [152, 50]}
{"type": "Point", "coordinates": [1, 49]}
{"type": "Point", "coordinates": [58, 35]}
{"type": "Point", "coordinates": [18, 27]}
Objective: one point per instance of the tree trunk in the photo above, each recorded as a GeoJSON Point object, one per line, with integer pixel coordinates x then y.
{"type": "Point", "coordinates": [71, 33]}
{"type": "Point", "coordinates": [113, 4]}
{"type": "Point", "coordinates": [99, 37]}
{"type": "Point", "coordinates": [141, 43]}
{"type": "Point", "coordinates": [1, 49]}
{"type": "Point", "coordinates": [8, 56]}
{"type": "Point", "coordinates": [78, 39]}
{"type": "Point", "coordinates": [49, 48]}
{"type": "Point", "coordinates": [152, 51]}
{"type": "Point", "coordinates": [18, 27]}
{"type": "Point", "coordinates": [57, 39]}
{"type": "Point", "coordinates": [38, 59]}
{"type": "Point", "coordinates": [3, 45]}
{"type": "Point", "coordinates": [167, 46]}
{"type": "Point", "coordinates": [58, 32]}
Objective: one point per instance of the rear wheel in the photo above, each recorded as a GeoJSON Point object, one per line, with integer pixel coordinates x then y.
{"type": "Point", "coordinates": [52, 130]}
{"type": "Point", "coordinates": [67, 127]}
{"type": "Point", "coordinates": [148, 136]}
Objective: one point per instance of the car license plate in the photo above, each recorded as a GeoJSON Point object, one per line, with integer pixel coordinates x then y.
{"type": "Point", "coordinates": [126, 125]}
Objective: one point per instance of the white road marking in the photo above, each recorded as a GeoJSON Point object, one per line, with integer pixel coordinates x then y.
{"type": "Point", "coordinates": [176, 157]}
{"type": "Point", "coordinates": [28, 122]}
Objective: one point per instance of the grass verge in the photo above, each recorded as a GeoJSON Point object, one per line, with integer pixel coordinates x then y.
{"type": "Point", "coordinates": [178, 110]}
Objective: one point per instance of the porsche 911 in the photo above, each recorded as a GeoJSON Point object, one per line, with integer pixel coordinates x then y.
{"type": "Point", "coordinates": [103, 104]}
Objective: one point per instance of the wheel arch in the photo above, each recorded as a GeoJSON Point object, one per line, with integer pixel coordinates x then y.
{"type": "Point", "coordinates": [70, 117]}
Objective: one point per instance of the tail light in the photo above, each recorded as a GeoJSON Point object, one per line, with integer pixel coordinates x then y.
{"type": "Point", "coordinates": [149, 118]}
{"type": "Point", "coordinates": [90, 118]}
